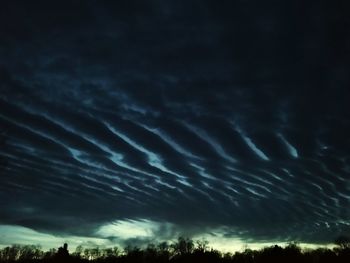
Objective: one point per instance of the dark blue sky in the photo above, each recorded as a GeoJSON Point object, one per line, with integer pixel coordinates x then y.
{"type": "Point", "coordinates": [143, 120]}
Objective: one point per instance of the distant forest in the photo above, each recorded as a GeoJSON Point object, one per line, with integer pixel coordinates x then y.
{"type": "Point", "coordinates": [183, 250]}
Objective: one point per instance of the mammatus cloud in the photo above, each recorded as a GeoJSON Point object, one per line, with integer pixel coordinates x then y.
{"type": "Point", "coordinates": [220, 123]}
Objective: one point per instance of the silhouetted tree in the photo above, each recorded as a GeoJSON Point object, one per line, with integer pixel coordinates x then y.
{"type": "Point", "coordinates": [343, 242]}
{"type": "Point", "coordinates": [91, 253]}
{"type": "Point", "coordinates": [110, 253]}
{"type": "Point", "coordinates": [30, 252]}
{"type": "Point", "coordinates": [21, 252]}
{"type": "Point", "coordinates": [202, 245]}
{"type": "Point", "coordinates": [50, 253]}
{"type": "Point", "coordinates": [163, 251]}
{"type": "Point", "coordinates": [133, 254]}
{"type": "Point", "coordinates": [183, 246]}
{"type": "Point", "coordinates": [62, 253]}
{"type": "Point", "coordinates": [10, 253]}
{"type": "Point", "coordinates": [151, 252]}
{"type": "Point", "coordinates": [184, 251]}
{"type": "Point", "coordinates": [78, 251]}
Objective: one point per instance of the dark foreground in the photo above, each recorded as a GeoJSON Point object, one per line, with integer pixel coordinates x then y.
{"type": "Point", "coordinates": [184, 250]}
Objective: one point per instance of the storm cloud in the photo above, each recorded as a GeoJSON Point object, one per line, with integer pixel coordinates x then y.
{"type": "Point", "coordinates": [198, 115]}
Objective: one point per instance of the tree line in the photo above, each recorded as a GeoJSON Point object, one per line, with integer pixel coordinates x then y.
{"type": "Point", "coordinates": [182, 251]}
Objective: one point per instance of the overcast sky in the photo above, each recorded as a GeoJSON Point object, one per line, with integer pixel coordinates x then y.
{"type": "Point", "coordinates": [131, 121]}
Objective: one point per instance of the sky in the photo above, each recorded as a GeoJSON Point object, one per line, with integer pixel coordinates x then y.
{"type": "Point", "coordinates": [128, 122]}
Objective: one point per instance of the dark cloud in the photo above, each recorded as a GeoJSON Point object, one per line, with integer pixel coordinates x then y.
{"type": "Point", "coordinates": [201, 114]}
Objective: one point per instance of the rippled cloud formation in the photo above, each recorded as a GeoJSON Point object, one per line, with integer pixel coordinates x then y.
{"type": "Point", "coordinates": [183, 117]}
